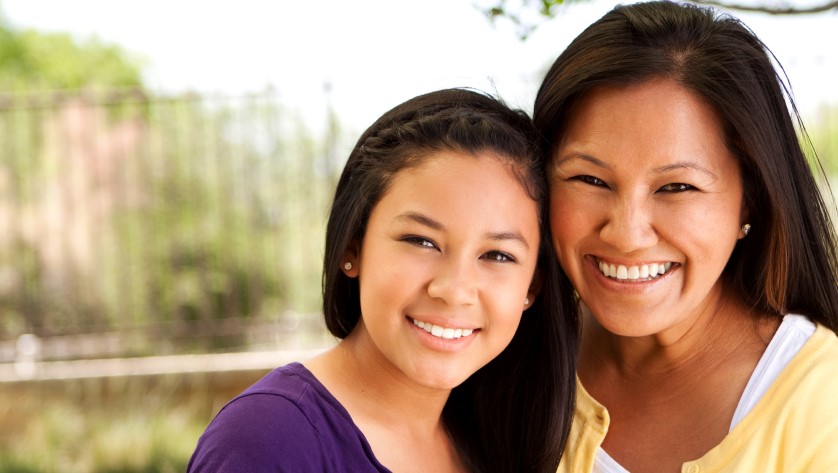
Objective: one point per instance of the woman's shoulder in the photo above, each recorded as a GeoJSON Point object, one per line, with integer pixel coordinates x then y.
{"type": "Point", "coordinates": [793, 427]}
{"type": "Point", "coordinates": [809, 375]}
{"type": "Point", "coordinates": [287, 421]}
{"type": "Point", "coordinates": [819, 353]}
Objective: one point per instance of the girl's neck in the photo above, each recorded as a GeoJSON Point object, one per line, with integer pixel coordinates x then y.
{"type": "Point", "coordinates": [392, 412]}
{"type": "Point", "coordinates": [362, 380]}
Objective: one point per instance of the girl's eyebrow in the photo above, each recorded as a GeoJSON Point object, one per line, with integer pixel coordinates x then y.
{"type": "Point", "coordinates": [420, 219]}
{"type": "Point", "coordinates": [433, 224]}
{"type": "Point", "coordinates": [508, 236]}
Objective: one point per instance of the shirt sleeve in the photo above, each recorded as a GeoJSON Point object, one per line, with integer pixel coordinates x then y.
{"type": "Point", "coordinates": [259, 433]}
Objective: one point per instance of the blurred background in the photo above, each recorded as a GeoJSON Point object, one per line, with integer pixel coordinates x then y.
{"type": "Point", "coordinates": [165, 175]}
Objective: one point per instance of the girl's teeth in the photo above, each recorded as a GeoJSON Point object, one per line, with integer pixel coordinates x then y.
{"type": "Point", "coordinates": [443, 332]}
{"type": "Point", "coordinates": [641, 272]}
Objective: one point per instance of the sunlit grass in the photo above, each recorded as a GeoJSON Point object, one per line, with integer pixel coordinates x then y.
{"type": "Point", "coordinates": [72, 439]}
{"type": "Point", "coordinates": [111, 425]}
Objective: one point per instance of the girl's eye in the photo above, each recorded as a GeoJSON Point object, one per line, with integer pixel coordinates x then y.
{"type": "Point", "coordinates": [594, 181]}
{"type": "Point", "coordinates": [676, 187]}
{"type": "Point", "coordinates": [500, 257]}
{"type": "Point", "coordinates": [419, 241]}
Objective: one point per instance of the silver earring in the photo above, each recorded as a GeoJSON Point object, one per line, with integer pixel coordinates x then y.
{"type": "Point", "coordinates": [526, 301]}
{"type": "Point", "coordinates": [347, 266]}
{"type": "Point", "coordinates": [746, 228]}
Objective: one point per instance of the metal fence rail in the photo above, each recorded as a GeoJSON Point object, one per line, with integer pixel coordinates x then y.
{"type": "Point", "coordinates": [157, 218]}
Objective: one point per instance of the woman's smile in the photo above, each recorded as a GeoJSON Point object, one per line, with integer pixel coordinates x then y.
{"type": "Point", "coordinates": [646, 206]}
{"type": "Point", "coordinates": [641, 272]}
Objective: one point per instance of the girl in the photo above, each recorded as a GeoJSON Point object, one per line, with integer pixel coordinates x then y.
{"type": "Point", "coordinates": [432, 246]}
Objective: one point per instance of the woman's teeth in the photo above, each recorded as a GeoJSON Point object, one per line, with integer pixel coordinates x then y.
{"type": "Point", "coordinates": [645, 272]}
{"type": "Point", "coordinates": [443, 332]}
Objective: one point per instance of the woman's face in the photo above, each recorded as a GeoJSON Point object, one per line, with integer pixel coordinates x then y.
{"type": "Point", "coordinates": [646, 207]}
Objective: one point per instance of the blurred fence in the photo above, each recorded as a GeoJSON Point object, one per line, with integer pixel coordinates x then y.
{"type": "Point", "coordinates": [137, 225]}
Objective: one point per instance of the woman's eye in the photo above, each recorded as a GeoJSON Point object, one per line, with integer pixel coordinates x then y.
{"type": "Point", "coordinates": [676, 187]}
{"type": "Point", "coordinates": [500, 257]}
{"type": "Point", "coordinates": [594, 181]}
{"type": "Point", "coordinates": [419, 241]}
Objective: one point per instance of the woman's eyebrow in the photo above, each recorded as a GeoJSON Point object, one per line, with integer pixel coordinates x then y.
{"type": "Point", "coordinates": [685, 165]}
{"type": "Point", "coordinates": [584, 157]}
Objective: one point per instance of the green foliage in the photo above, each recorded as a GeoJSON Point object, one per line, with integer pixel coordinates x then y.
{"type": "Point", "coordinates": [824, 136]}
{"type": "Point", "coordinates": [184, 218]}
{"type": "Point", "coordinates": [145, 425]}
{"type": "Point", "coordinates": [527, 15]}
{"type": "Point", "coordinates": [31, 60]}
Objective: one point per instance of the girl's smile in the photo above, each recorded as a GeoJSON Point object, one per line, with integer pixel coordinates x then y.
{"type": "Point", "coordinates": [445, 268]}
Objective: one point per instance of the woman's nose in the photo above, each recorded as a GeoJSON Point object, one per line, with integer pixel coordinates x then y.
{"type": "Point", "coordinates": [629, 225]}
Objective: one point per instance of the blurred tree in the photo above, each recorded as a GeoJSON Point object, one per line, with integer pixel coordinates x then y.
{"type": "Point", "coordinates": [31, 60]}
{"type": "Point", "coordinates": [824, 135]}
{"type": "Point", "coordinates": [526, 15]}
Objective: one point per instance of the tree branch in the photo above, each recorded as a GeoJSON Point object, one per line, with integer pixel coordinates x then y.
{"type": "Point", "coordinates": [833, 5]}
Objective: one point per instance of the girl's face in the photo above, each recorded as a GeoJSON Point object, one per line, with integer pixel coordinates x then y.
{"type": "Point", "coordinates": [646, 207]}
{"type": "Point", "coordinates": [445, 267]}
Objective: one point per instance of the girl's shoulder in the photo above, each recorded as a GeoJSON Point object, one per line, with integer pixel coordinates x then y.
{"type": "Point", "coordinates": [286, 421]}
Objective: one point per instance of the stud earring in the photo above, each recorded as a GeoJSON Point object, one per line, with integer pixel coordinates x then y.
{"type": "Point", "coordinates": [347, 266]}
{"type": "Point", "coordinates": [526, 301]}
{"type": "Point", "coordinates": [746, 228]}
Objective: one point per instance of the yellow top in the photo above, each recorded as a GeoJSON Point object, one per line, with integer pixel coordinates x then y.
{"type": "Point", "coordinates": [793, 428]}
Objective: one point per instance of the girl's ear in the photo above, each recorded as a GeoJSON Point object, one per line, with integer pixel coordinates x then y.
{"type": "Point", "coordinates": [350, 262]}
{"type": "Point", "coordinates": [534, 290]}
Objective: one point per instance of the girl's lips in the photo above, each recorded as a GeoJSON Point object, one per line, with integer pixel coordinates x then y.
{"type": "Point", "coordinates": [440, 343]}
{"type": "Point", "coordinates": [439, 331]}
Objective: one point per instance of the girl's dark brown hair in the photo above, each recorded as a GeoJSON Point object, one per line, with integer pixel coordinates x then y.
{"type": "Point", "coordinates": [514, 414]}
{"type": "Point", "coordinates": [787, 263]}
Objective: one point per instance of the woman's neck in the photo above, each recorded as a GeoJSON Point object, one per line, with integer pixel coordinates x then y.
{"type": "Point", "coordinates": [724, 328]}
{"type": "Point", "coordinates": [671, 399]}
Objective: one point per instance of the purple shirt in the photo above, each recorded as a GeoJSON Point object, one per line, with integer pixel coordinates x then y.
{"type": "Point", "coordinates": [285, 422]}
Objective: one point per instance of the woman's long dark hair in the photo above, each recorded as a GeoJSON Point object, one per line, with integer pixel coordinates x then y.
{"type": "Point", "coordinates": [787, 263]}
{"type": "Point", "coordinates": [514, 414]}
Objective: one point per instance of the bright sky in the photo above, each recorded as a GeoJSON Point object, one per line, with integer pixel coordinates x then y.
{"type": "Point", "coordinates": [374, 53]}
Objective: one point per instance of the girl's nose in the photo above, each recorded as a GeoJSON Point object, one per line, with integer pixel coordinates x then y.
{"type": "Point", "coordinates": [455, 282]}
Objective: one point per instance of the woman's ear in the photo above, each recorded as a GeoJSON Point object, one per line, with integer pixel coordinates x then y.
{"type": "Point", "coordinates": [350, 262]}
{"type": "Point", "coordinates": [744, 226]}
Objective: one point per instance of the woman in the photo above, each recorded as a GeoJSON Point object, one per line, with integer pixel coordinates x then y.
{"type": "Point", "coordinates": [689, 222]}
